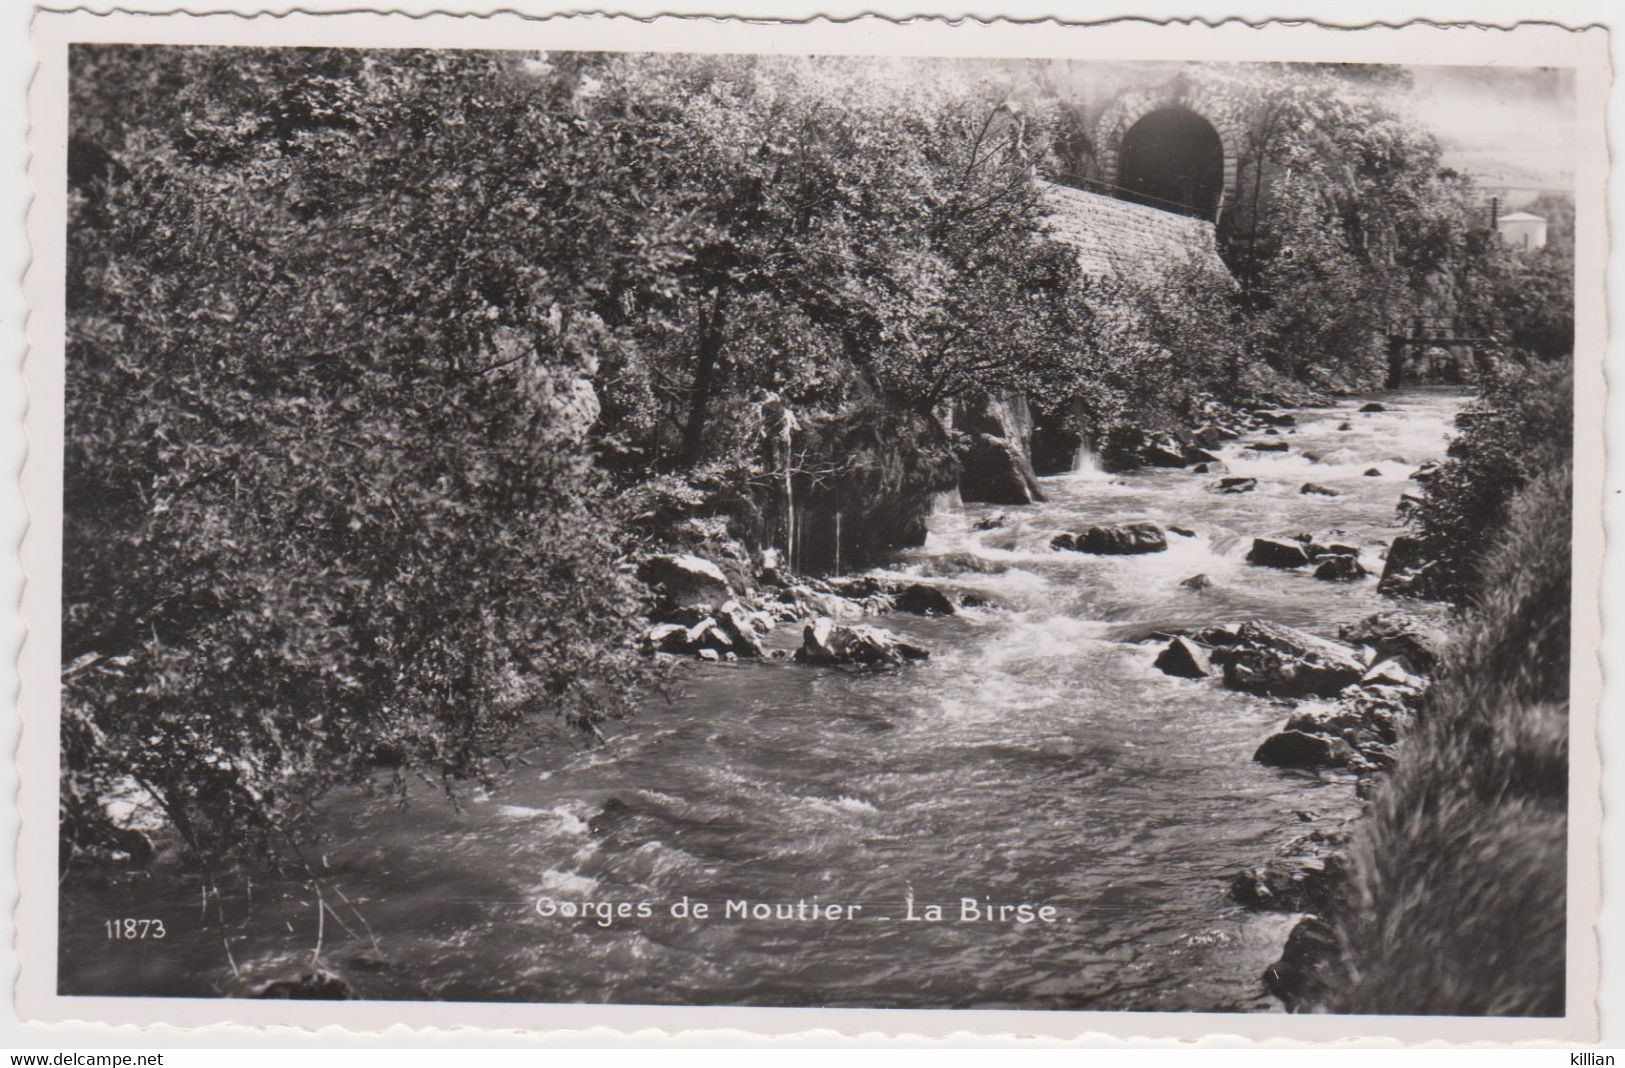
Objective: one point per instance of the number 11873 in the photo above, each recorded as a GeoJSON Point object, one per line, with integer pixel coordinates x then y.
{"type": "Point", "coordinates": [130, 929]}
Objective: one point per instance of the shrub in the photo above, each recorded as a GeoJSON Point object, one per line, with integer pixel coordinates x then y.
{"type": "Point", "coordinates": [1522, 425]}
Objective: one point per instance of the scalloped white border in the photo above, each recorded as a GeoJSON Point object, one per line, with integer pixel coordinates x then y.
{"type": "Point", "coordinates": [1449, 40]}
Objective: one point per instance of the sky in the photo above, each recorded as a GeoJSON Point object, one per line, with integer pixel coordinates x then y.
{"type": "Point", "coordinates": [1505, 126]}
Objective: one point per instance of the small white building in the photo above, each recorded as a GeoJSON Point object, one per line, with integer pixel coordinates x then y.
{"type": "Point", "coordinates": [1522, 230]}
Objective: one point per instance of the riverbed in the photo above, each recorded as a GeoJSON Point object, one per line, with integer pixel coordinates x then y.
{"type": "Point", "coordinates": [1037, 758]}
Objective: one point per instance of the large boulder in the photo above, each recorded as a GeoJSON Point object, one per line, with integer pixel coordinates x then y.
{"type": "Point", "coordinates": [1279, 661]}
{"type": "Point", "coordinates": [1397, 634]}
{"type": "Point", "coordinates": [1124, 539]}
{"type": "Point", "coordinates": [1296, 749]}
{"type": "Point", "coordinates": [823, 641]}
{"type": "Point", "coordinates": [1278, 552]}
{"type": "Point", "coordinates": [997, 466]}
{"type": "Point", "coordinates": [682, 579]}
{"type": "Point", "coordinates": [996, 470]}
{"type": "Point", "coordinates": [1184, 659]}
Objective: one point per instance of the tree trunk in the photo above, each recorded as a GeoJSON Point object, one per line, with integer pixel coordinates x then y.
{"type": "Point", "coordinates": [711, 335]}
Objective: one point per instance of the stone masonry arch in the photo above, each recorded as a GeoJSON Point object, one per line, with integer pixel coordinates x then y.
{"type": "Point", "coordinates": [1123, 113]}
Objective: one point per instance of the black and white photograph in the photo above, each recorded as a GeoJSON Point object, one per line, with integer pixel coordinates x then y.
{"type": "Point", "coordinates": [831, 531]}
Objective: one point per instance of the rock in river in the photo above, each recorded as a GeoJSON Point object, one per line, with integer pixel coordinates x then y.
{"type": "Point", "coordinates": [1125, 539]}
{"type": "Point", "coordinates": [823, 641]}
{"type": "Point", "coordinates": [1340, 568]}
{"type": "Point", "coordinates": [1277, 552]}
{"type": "Point", "coordinates": [1280, 661]}
{"type": "Point", "coordinates": [1295, 749]}
{"type": "Point", "coordinates": [923, 600]}
{"type": "Point", "coordinates": [1235, 485]}
{"type": "Point", "coordinates": [1197, 582]}
{"type": "Point", "coordinates": [1319, 490]}
{"type": "Point", "coordinates": [1373, 406]}
{"type": "Point", "coordinates": [1184, 659]}
{"type": "Point", "coordinates": [1269, 446]}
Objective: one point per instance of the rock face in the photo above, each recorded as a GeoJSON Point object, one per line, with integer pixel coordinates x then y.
{"type": "Point", "coordinates": [1235, 485]}
{"type": "Point", "coordinates": [682, 579]}
{"type": "Point", "coordinates": [823, 641]}
{"type": "Point", "coordinates": [922, 600]}
{"type": "Point", "coordinates": [1184, 659]}
{"type": "Point", "coordinates": [1277, 552]}
{"type": "Point", "coordinates": [1126, 539]}
{"type": "Point", "coordinates": [997, 466]}
{"type": "Point", "coordinates": [1340, 568]}
{"type": "Point", "coordinates": [1280, 661]}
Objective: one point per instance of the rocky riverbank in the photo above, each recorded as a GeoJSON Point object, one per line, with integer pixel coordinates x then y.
{"type": "Point", "coordinates": [1349, 704]}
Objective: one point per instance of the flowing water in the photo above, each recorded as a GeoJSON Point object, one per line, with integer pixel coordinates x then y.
{"type": "Point", "coordinates": [1037, 757]}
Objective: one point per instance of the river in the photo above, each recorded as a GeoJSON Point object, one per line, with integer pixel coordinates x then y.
{"type": "Point", "coordinates": [1037, 757]}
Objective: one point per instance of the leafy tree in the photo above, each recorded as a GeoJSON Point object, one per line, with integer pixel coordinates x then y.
{"type": "Point", "coordinates": [329, 503]}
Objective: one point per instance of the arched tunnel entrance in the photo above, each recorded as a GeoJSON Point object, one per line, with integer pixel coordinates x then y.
{"type": "Point", "coordinates": [1172, 159]}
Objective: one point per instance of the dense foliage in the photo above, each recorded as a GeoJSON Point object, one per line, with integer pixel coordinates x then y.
{"type": "Point", "coordinates": [1521, 427]}
{"type": "Point", "coordinates": [328, 503]}
{"type": "Point", "coordinates": [1348, 225]}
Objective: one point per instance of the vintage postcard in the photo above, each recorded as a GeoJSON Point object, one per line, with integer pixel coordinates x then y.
{"type": "Point", "coordinates": [901, 527]}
